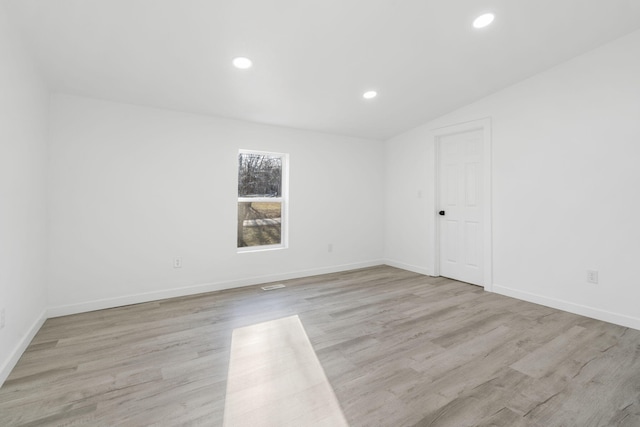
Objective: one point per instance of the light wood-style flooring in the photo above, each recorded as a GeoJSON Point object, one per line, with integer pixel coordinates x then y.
{"type": "Point", "coordinates": [398, 348]}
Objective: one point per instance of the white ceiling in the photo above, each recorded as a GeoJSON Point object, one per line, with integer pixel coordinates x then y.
{"type": "Point", "coordinates": [313, 59]}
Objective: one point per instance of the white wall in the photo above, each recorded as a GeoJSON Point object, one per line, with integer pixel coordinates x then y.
{"type": "Point", "coordinates": [566, 179]}
{"type": "Point", "coordinates": [23, 107]}
{"type": "Point", "coordinates": [134, 187]}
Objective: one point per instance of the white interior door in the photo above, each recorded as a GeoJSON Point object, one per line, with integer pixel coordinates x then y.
{"type": "Point", "coordinates": [461, 206]}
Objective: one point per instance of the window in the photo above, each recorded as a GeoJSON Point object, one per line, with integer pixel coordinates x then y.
{"type": "Point", "coordinates": [262, 200]}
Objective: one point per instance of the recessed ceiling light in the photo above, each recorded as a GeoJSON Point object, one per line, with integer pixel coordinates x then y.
{"type": "Point", "coordinates": [370, 94]}
{"type": "Point", "coordinates": [483, 20]}
{"type": "Point", "coordinates": [242, 62]}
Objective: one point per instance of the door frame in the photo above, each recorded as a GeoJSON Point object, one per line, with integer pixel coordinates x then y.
{"type": "Point", "coordinates": [483, 125]}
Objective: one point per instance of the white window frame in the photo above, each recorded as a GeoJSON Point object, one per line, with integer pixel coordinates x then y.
{"type": "Point", "coordinates": [284, 200]}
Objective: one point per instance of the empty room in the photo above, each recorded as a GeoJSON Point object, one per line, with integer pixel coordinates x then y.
{"type": "Point", "coordinates": [319, 213]}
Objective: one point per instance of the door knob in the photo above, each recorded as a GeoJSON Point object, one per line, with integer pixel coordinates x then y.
{"type": "Point", "coordinates": [441, 213]}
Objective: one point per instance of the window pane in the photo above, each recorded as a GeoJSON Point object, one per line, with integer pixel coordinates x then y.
{"type": "Point", "coordinates": [259, 175]}
{"type": "Point", "coordinates": [259, 223]}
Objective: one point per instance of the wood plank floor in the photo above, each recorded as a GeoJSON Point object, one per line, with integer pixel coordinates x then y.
{"type": "Point", "coordinates": [398, 348]}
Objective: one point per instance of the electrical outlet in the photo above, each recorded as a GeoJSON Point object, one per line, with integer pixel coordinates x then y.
{"type": "Point", "coordinates": [2, 318]}
{"type": "Point", "coordinates": [592, 276]}
{"type": "Point", "coordinates": [330, 247]}
{"type": "Point", "coordinates": [177, 262]}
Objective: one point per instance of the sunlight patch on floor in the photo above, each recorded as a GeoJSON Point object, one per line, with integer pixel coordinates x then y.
{"type": "Point", "coordinates": [275, 379]}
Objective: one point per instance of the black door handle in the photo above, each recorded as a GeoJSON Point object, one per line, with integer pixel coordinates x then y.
{"type": "Point", "coordinates": [441, 213]}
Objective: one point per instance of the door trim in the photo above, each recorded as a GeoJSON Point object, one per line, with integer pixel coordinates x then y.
{"type": "Point", "coordinates": [485, 126]}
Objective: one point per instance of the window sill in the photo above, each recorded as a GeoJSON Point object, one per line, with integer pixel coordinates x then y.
{"type": "Point", "coordinates": [250, 249]}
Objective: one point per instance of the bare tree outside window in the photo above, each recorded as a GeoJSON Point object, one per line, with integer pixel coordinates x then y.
{"type": "Point", "coordinates": [260, 199]}
{"type": "Point", "coordinates": [259, 175]}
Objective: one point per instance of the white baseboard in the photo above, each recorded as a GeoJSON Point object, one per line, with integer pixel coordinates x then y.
{"type": "Point", "coordinates": [10, 363]}
{"type": "Point", "coordinates": [583, 310]}
{"type": "Point", "coordinates": [409, 267]}
{"type": "Point", "coordinates": [64, 310]}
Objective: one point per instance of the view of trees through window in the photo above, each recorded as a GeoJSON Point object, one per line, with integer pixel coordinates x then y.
{"type": "Point", "coordinates": [260, 199]}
